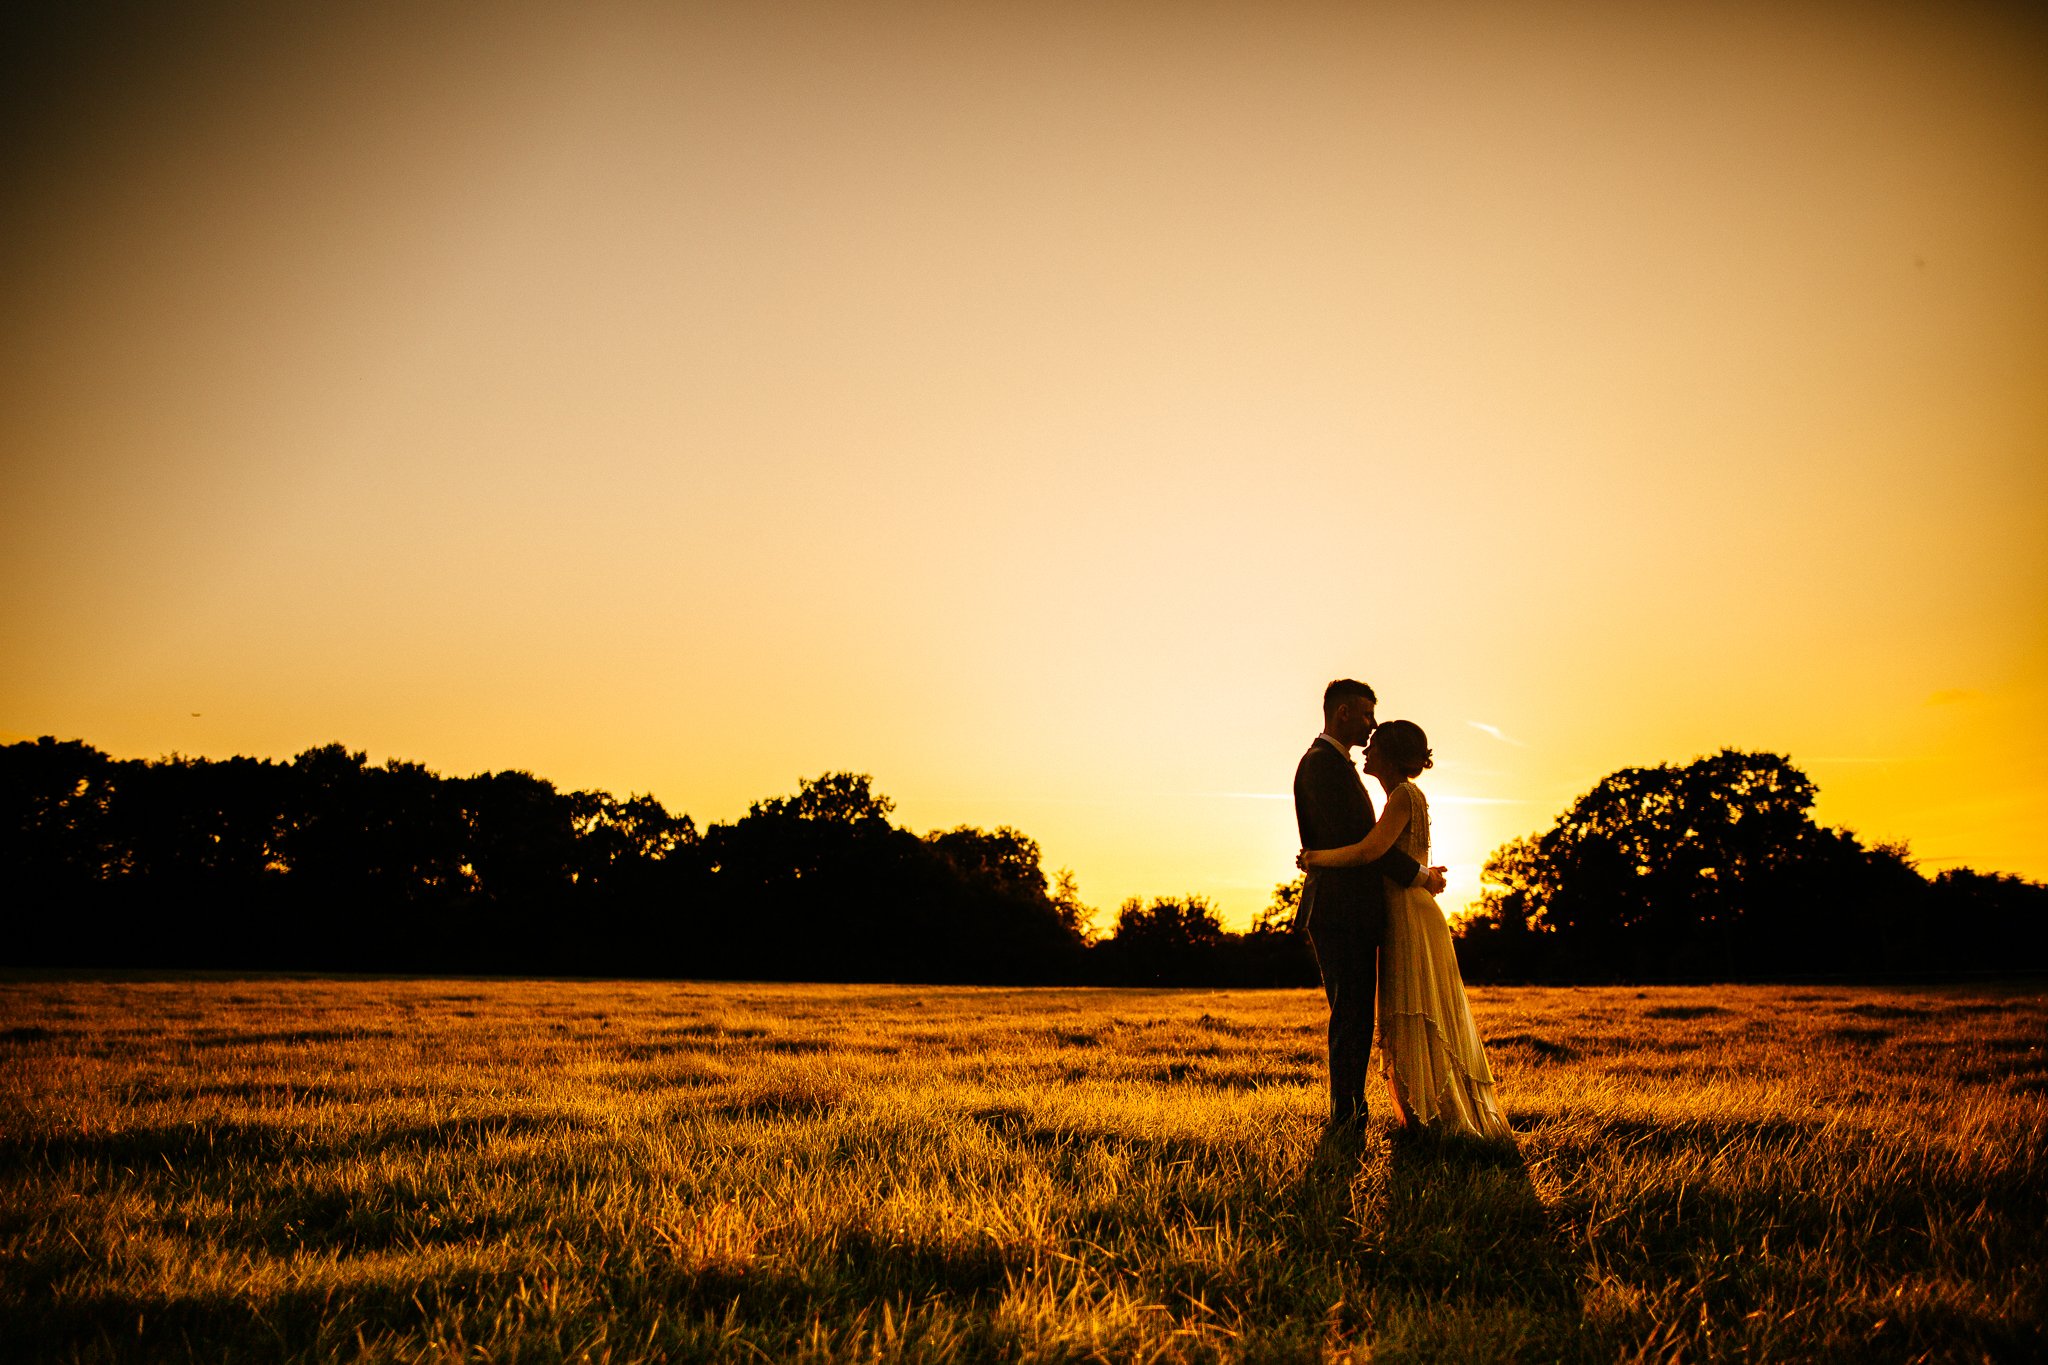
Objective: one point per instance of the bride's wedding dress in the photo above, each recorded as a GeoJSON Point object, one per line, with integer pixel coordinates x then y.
{"type": "Point", "coordinates": [1429, 1047]}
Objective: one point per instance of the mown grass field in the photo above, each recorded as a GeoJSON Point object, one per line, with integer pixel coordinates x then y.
{"type": "Point", "coordinates": [290, 1169]}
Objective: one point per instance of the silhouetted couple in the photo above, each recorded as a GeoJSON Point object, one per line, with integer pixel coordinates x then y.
{"type": "Point", "coordinates": [1369, 908]}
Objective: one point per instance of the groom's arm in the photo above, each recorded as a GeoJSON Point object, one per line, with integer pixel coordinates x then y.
{"type": "Point", "coordinates": [1397, 867]}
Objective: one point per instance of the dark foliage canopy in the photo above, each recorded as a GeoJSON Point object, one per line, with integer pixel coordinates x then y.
{"type": "Point", "coordinates": [329, 863]}
{"type": "Point", "coordinates": [1716, 870]}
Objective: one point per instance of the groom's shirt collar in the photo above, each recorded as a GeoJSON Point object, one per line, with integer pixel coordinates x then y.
{"type": "Point", "coordinates": [1341, 747]}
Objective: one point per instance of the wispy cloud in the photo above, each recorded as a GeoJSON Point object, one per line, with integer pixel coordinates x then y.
{"type": "Point", "coordinates": [1950, 696]}
{"type": "Point", "coordinates": [1496, 732]}
{"type": "Point", "coordinates": [1250, 796]}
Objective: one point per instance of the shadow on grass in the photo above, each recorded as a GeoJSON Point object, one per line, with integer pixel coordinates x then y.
{"type": "Point", "coordinates": [317, 1322]}
{"type": "Point", "coordinates": [1540, 1049]}
{"type": "Point", "coordinates": [1462, 1220]}
{"type": "Point", "coordinates": [214, 1145]}
{"type": "Point", "coordinates": [1443, 1252]}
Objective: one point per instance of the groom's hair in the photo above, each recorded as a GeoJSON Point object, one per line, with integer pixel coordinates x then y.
{"type": "Point", "coordinates": [1346, 689]}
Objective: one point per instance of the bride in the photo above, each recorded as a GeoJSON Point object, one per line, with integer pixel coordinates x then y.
{"type": "Point", "coordinates": [1429, 1048]}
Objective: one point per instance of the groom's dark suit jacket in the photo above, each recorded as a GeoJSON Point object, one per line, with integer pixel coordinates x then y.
{"type": "Point", "coordinates": [1332, 810]}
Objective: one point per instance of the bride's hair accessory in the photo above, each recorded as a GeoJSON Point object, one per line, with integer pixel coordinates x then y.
{"type": "Point", "coordinates": [1405, 743]}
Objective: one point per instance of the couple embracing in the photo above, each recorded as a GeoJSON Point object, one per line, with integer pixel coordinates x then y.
{"type": "Point", "coordinates": [1369, 907]}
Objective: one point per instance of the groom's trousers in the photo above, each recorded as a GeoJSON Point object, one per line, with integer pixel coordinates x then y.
{"type": "Point", "coordinates": [1346, 941]}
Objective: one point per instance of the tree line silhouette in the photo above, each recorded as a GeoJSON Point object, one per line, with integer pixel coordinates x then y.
{"type": "Point", "coordinates": [330, 863]}
{"type": "Point", "coordinates": [1715, 870]}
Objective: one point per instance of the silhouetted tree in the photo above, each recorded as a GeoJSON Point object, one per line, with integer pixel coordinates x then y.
{"type": "Point", "coordinates": [639, 880]}
{"type": "Point", "coordinates": [56, 847]}
{"type": "Point", "coordinates": [1167, 940]}
{"type": "Point", "coordinates": [1710, 870]}
{"type": "Point", "coordinates": [1983, 920]}
{"type": "Point", "coordinates": [1075, 916]}
{"type": "Point", "coordinates": [1500, 940]}
{"type": "Point", "coordinates": [1276, 951]}
{"type": "Point", "coordinates": [1279, 913]}
{"type": "Point", "coordinates": [328, 862]}
{"type": "Point", "coordinates": [1168, 924]}
{"type": "Point", "coordinates": [821, 886]}
{"type": "Point", "coordinates": [1181, 941]}
{"type": "Point", "coordinates": [803, 879]}
{"type": "Point", "coordinates": [847, 799]}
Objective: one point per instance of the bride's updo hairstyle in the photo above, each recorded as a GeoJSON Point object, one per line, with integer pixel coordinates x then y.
{"type": "Point", "coordinates": [1404, 742]}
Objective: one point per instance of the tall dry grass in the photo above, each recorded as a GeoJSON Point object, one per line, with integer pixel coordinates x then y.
{"type": "Point", "coordinates": [251, 1169]}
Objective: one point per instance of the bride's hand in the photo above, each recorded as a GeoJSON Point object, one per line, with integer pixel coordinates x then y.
{"type": "Point", "coordinates": [1301, 859]}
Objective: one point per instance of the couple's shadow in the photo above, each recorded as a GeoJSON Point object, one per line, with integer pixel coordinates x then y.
{"type": "Point", "coordinates": [1444, 1222]}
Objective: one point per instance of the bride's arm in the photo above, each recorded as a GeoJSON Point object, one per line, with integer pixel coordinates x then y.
{"type": "Point", "coordinates": [1369, 849]}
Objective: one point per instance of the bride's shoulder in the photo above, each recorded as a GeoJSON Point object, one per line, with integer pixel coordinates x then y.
{"type": "Point", "coordinates": [1414, 794]}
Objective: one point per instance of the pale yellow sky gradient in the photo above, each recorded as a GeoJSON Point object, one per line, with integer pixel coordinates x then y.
{"type": "Point", "coordinates": [1034, 406]}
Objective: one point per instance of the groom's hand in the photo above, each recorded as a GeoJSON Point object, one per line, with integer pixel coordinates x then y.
{"type": "Point", "coordinates": [1432, 880]}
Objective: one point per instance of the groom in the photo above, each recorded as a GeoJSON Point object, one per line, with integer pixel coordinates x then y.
{"type": "Point", "coordinates": [1344, 909]}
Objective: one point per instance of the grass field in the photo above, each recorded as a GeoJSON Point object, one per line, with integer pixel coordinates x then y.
{"type": "Point", "coordinates": [297, 1169]}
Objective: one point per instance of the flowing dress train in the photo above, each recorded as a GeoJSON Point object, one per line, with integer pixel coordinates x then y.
{"type": "Point", "coordinates": [1430, 1050]}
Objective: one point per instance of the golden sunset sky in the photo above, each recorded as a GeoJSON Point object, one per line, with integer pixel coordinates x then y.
{"type": "Point", "coordinates": [1034, 405]}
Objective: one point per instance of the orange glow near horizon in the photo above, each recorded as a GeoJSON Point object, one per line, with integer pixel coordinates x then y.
{"type": "Point", "coordinates": [1035, 407]}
